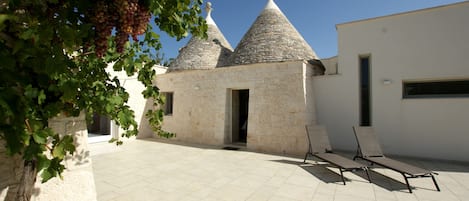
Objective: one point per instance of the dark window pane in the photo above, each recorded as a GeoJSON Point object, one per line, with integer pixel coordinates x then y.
{"type": "Point", "coordinates": [436, 89]}
{"type": "Point", "coordinates": [168, 105]}
{"type": "Point", "coordinates": [365, 92]}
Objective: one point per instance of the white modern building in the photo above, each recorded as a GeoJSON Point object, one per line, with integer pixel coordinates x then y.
{"type": "Point", "coordinates": [407, 75]}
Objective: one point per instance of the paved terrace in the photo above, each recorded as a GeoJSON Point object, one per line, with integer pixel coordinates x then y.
{"type": "Point", "coordinates": [147, 170]}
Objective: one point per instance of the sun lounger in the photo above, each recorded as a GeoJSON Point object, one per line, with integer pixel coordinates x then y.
{"type": "Point", "coordinates": [320, 147]}
{"type": "Point", "coordinates": [370, 150]}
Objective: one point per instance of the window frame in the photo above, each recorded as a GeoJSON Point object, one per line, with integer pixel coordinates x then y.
{"type": "Point", "coordinates": [427, 85]}
{"type": "Point", "coordinates": [168, 109]}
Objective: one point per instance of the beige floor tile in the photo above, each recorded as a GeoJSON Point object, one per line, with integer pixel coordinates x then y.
{"type": "Point", "coordinates": [232, 193]}
{"type": "Point", "coordinates": [107, 196]}
{"type": "Point", "coordinates": [356, 189]}
{"type": "Point", "coordinates": [149, 170]}
{"type": "Point", "coordinates": [323, 197]}
{"type": "Point", "coordinates": [263, 194]}
{"type": "Point", "coordinates": [282, 198]}
{"type": "Point", "coordinates": [250, 181]}
{"type": "Point", "coordinates": [351, 198]}
{"type": "Point", "coordinates": [305, 181]}
{"type": "Point", "coordinates": [295, 192]}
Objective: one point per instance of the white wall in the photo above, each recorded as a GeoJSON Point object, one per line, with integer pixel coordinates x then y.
{"type": "Point", "coordinates": [136, 100]}
{"type": "Point", "coordinates": [421, 45]}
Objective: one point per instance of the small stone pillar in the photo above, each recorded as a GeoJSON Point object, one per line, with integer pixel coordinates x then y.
{"type": "Point", "coordinates": [78, 180]}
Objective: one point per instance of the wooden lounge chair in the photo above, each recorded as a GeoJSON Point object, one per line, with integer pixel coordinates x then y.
{"type": "Point", "coordinates": [370, 150]}
{"type": "Point", "coordinates": [320, 147]}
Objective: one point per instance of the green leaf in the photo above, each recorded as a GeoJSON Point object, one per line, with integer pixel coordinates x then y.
{"type": "Point", "coordinates": [40, 136]}
{"type": "Point", "coordinates": [30, 92]}
{"type": "Point", "coordinates": [125, 118]}
{"type": "Point", "coordinates": [42, 162]}
{"type": "Point", "coordinates": [41, 97]}
{"type": "Point", "coordinates": [64, 146]}
{"type": "Point", "coordinates": [116, 100]}
{"type": "Point", "coordinates": [46, 175]}
{"type": "Point", "coordinates": [19, 44]}
{"type": "Point", "coordinates": [55, 168]}
{"type": "Point", "coordinates": [28, 34]}
{"type": "Point", "coordinates": [32, 151]}
{"type": "Point", "coordinates": [112, 140]}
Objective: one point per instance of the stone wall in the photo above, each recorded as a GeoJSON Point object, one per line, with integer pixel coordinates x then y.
{"type": "Point", "coordinates": [78, 181]}
{"type": "Point", "coordinates": [278, 97]}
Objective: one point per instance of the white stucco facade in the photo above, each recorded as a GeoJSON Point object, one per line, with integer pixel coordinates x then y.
{"type": "Point", "coordinates": [430, 44]}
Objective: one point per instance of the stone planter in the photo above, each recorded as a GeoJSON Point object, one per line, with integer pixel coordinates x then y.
{"type": "Point", "coordinates": [78, 181]}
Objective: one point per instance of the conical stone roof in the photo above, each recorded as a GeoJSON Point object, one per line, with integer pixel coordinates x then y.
{"type": "Point", "coordinates": [200, 53]}
{"type": "Point", "coordinates": [272, 38]}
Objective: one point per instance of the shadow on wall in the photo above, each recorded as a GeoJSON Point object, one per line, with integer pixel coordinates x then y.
{"type": "Point", "coordinates": [144, 129]}
{"type": "Point", "coordinates": [224, 56]}
{"type": "Point", "coordinates": [11, 168]}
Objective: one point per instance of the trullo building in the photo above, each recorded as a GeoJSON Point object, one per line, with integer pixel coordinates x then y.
{"type": "Point", "coordinates": [258, 95]}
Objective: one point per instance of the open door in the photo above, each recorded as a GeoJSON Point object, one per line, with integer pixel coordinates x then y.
{"type": "Point", "coordinates": [240, 111]}
{"type": "Point", "coordinates": [100, 129]}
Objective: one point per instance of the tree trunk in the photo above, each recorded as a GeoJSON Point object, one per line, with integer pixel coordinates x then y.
{"type": "Point", "coordinates": [28, 179]}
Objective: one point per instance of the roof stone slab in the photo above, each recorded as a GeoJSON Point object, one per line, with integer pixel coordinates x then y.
{"type": "Point", "coordinates": [272, 38]}
{"type": "Point", "coordinates": [202, 54]}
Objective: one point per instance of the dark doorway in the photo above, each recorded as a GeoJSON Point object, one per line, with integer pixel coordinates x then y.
{"type": "Point", "coordinates": [365, 91]}
{"type": "Point", "coordinates": [100, 126]}
{"type": "Point", "coordinates": [240, 109]}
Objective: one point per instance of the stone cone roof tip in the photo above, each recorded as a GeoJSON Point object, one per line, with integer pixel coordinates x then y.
{"type": "Point", "coordinates": [202, 54]}
{"type": "Point", "coordinates": [209, 19]}
{"type": "Point", "coordinates": [271, 38]}
{"type": "Point", "coordinates": [272, 5]}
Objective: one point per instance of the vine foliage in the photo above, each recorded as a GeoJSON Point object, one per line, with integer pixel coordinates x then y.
{"type": "Point", "coordinates": [54, 55]}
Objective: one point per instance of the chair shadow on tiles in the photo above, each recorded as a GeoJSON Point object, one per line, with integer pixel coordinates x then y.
{"type": "Point", "coordinates": [325, 172]}
{"type": "Point", "coordinates": [384, 181]}
{"type": "Point", "coordinates": [320, 170]}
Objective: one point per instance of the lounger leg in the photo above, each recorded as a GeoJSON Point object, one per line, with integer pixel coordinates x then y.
{"type": "Point", "coordinates": [356, 153]}
{"type": "Point", "coordinates": [407, 183]}
{"type": "Point", "coordinates": [436, 185]}
{"type": "Point", "coordinates": [306, 156]}
{"type": "Point", "coordinates": [342, 175]}
{"type": "Point", "coordinates": [367, 174]}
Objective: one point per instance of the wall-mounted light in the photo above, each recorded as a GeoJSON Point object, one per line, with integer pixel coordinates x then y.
{"type": "Point", "coordinates": [387, 81]}
{"type": "Point", "coordinates": [196, 87]}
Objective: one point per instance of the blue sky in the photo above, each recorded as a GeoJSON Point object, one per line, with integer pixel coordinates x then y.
{"type": "Point", "coordinates": [314, 19]}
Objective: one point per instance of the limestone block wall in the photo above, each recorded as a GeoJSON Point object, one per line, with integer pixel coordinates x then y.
{"type": "Point", "coordinates": [78, 180]}
{"type": "Point", "coordinates": [278, 111]}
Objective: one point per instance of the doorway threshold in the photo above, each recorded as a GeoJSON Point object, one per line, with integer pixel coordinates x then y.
{"type": "Point", "coordinates": [94, 138]}
{"type": "Point", "coordinates": [235, 146]}
{"type": "Point", "coordinates": [239, 144]}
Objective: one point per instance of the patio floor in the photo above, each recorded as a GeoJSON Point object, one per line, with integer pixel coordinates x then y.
{"type": "Point", "coordinates": [148, 170]}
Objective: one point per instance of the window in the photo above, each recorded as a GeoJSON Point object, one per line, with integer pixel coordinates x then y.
{"type": "Point", "coordinates": [168, 103]}
{"type": "Point", "coordinates": [436, 89]}
{"type": "Point", "coordinates": [365, 90]}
